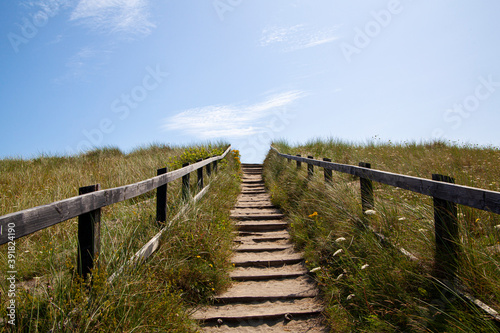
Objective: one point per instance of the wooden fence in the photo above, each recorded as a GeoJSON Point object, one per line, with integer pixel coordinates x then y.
{"type": "Point", "coordinates": [446, 195]}
{"type": "Point", "coordinates": [87, 207]}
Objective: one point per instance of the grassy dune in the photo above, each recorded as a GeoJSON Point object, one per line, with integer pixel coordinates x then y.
{"type": "Point", "coordinates": [368, 287]}
{"type": "Point", "coordinates": [189, 267]}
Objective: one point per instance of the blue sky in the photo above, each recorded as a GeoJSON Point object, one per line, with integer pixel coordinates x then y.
{"type": "Point", "coordinates": [82, 73]}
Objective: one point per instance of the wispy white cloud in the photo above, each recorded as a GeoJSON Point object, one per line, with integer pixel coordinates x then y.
{"type": "Point", "coordinates": [297, 37]}
{"type": "Point", "coordinates": [114, 16]}
{"type": "Point", "coordinates": [56, 40]}
{"type": "Point", "coordinates": [83, 63]}
{"type": "Point", "coordinates": [229, 121]}
{"type": "Point", "coordinates": [49, 7]}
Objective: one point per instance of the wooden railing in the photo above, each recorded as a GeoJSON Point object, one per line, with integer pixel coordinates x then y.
{"type": "Point", "coordinates": [87, 207]}
{"type": "Point", "coordinates": [446, 196]}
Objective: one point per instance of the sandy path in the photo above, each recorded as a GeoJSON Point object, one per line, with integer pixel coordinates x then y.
{"type": "Point", "coordinates": [271, 291]}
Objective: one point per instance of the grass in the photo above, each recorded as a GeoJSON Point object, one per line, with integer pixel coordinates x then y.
{"type": "Point", "coordinates": [369, 287]}
{"type": "Point", "coordinates": [190, 266]}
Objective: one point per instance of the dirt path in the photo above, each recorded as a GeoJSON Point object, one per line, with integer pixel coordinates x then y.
{"type": "Point", "coordinates": [271, 290]}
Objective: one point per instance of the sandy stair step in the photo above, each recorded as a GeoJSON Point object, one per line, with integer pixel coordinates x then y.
{"type": "Point", "coordinates": [255, 211]}
{"type": "Point", "coordinates": [253, 191]}
{"type": "Point", "coordinates": [309, 324]}
{"type": "Point", "coordinates": [256, 216]}
{"type": "Point", "coordinates": [248, 197]}
{"type": "Point", "coordinates": [254, 201]}
{"type": "Point", "coordinates": [265, 259]}
{"type": "Point", "coordinates": [261, 225]}
{"type": "Point", "coordinates": [262, 310]}
{"type": "Point", "coordinates": [264, 247]}
{"type": "Point", "coordinates": [272, 290]}
{"type": "Point", "coordinates": [247, 244]}
{"type": "Point", "coordinates": [253, 185]}
{"type": "Point", "coordinates": [267, 273]}
{"type": "Point", "coordinates": [256, 236]}
{"type": "Point", "coordinates": [258, 205]}
{"type": "Point", "coordinates": [248, 189]}
{"type": "Point", "coordinates": [253, 179]}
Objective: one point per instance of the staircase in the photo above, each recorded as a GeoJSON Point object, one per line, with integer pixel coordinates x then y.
{"type": "Point", "coordinates": [271, 291]}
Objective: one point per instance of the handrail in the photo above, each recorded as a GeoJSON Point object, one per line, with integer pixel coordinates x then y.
{"type": "Point", "coordinates": [446, 195]}
{"type": "Point", "coordinates": [34, 219]}
{"type": "Point", "coordinates": [463, 195]}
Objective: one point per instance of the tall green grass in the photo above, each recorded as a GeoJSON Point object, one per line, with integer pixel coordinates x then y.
{"type": "Point", "coordinates": [369, 287]}
{"type": "Point", "coordinates": [190, 266]}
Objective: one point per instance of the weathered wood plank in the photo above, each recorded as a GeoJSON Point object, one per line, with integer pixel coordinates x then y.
{"type": "Point", "coordinates": [463, 195]}
{"type": "Point", "coordinates": [34, 219]}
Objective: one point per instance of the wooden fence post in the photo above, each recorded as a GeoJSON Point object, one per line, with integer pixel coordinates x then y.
{"type": "Point", "coordinates": [327, 172]}
{"type": "Point", "coordinates": [209, 169]}
{"type": "Point", "coordinates": [310, 168]}
{"type": "Point", "coordinates": [200, 176]}
{"type": "Point", "coordinates": [185, 184]}
{"type": "Point", "coordinates": [89, 236]}
{"type": "Point", "coordinates": [367, 201]}
{"type": "Point", "coordinates": [161, 199]}
{"type": "Point", "coordinates": [215, 164]}
{"type": "Point", "coordinates": [299, 164]}
{"type": "Point", "coordinates": [446, 232]}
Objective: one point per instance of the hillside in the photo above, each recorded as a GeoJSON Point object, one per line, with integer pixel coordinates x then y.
{"type": "Point", "coordinates": [369, 286]}
{"type": "Point", "coordinates": [189, 267]}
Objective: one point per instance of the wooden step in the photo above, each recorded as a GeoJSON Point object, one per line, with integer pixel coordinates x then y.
{"type": "Point", "coordinates": [268, 273]}
{"type": "Point", "coordinates": [263, 291]}
{"type": "Point", "coordinates": [262, 217]}
{"type": "Point", "coordinates": [256, 247]}
{"type": "Point", "coordinates": [266, 261]}
{"type": "Point", "coordinates": [264, 310]}
{"type": "Point", "coordinates": [257, 236]}
{"type": "Point", "coordinates": [259, 225]}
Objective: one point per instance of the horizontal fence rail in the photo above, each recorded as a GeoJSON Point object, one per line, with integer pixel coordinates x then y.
{"type": "Point", "coordinates": [446, 195]}
{"type": "Point", "coordinates": [34, 219]}
{"type": "Point", "coordinates": [463, 195]}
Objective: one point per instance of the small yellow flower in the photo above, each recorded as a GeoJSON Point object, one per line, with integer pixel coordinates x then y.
{"type": "Point", "coordinates": [198, 257]}
{"type": "Point", "coordinates": [314, 214]}
{"type": "Point", "coordinates": [210, 265]}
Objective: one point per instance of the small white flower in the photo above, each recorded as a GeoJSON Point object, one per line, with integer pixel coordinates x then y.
{"type": "Point", "coordinates": [365, 266]}
{"type": "Point", "coordinates": [422, 230]}
{"type": "Point", "coordinates": [370, 212]}
{"type": "Point", "coordinates": [337, 252]}
{"type": "Point", "coordinates": [497, 227]}
{"type": "Point", "coordinates": [402, 219]}
{"type": "Point", "coordinates": [315, 269]}
{"type": "Point", "coordinates": [27, 251]}
{"type": "Point", "coordinates": [339, 277]}
{"type": "Point", "coordinates": [350, 296]}
{"type": "Point", "coordinates": [340, 239]}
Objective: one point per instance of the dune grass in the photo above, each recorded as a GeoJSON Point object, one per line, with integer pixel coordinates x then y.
{"type": "Point", "coordinates": [190, 266]}
{"type": "Point", "coordinates": [369, 287]}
